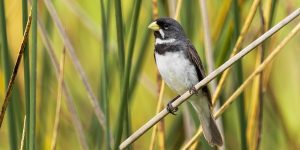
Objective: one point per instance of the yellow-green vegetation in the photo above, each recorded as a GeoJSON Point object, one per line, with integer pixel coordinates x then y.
{"type": "Point", "coordinates": [88, 79]}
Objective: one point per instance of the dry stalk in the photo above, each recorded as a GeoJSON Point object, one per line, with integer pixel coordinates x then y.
{"type": "Point", "coordinates": [155, 9]}
{"type": "Point", "coordinates": [255, 111]}
{"type": "Point", "coordinates": [267, 71]}
{"type": "Point", "coordinates": [158, 108]}
{"type": "Point", "coordinates": [58, 99]}
{"type": "Point", "coordinates": [23, 133]}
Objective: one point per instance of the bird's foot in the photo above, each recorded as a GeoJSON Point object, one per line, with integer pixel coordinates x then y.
{"type": "Point", "coordinates": [170, 108]}
{"type": "Point", "coordinates": [193, 90]}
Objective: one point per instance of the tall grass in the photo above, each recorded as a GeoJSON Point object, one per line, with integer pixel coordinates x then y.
{"type": "Point", "coordinates": [239, 74]}
{"type": "Point", "coordinates": [104, 79]}
{"type": "Point", "coordinates": [13, 76]}
{"type": "Point", "coordinates": [125, 74]}
{"type": "Point", "coordinates": [33, 79]}
{"type": "Point", "coordinates": [123, 107]}
{"type": "Point", "coordinates": [26, 72]}
{"type": "Point", "coordinates": [12, 124]}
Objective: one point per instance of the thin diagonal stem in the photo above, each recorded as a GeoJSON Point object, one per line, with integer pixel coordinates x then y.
{"type": "Point", "coordinates": [70, 49]}
{"type": "Point", "coordinates": [23, 134]}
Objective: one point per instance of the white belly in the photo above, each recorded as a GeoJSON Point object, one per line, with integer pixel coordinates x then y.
{"type": "Point", "coordinates": [176, 70]}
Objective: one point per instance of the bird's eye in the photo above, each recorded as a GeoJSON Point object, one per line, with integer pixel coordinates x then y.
{"type": "Point", "coordinates": [166, 26]}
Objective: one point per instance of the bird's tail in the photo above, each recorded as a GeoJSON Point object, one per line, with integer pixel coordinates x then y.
{"type": "Point", "coordinates": [210, 129]}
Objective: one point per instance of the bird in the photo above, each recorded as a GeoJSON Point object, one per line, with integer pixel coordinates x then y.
{"type": "Point", "coordinates": [181, 69]}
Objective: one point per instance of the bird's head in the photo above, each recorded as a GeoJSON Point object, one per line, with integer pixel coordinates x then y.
{"type": "Point", "coordinates": [166, 28]}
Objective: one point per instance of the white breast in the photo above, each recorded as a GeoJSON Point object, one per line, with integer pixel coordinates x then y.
{"type": "Point", "coordinates": [176, 71]}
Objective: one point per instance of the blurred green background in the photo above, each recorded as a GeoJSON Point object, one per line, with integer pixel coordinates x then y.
{"type": "Point", "coordinates": [83, 22]}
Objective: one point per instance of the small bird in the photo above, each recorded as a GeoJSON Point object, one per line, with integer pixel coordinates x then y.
{"type": "Point", "coordinates": [181, 68]}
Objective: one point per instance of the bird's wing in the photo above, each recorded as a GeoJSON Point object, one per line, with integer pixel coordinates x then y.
{"type": "Point", "coordinates": [194, 57]}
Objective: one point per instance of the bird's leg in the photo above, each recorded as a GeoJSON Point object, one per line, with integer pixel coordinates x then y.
{"type": "Point", "coordinates": [170, 108]}
{"type": "Point", "coordinates": [193, 90]}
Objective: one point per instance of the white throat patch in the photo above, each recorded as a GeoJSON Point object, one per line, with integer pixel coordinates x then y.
{"type": "Point", "coordinates": [162, 33]}
{"type": "Point", "coordinates": [160, 41]}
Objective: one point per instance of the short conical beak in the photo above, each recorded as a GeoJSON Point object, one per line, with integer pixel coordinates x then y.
{"type": "Point", "coordinates": [154, 26]}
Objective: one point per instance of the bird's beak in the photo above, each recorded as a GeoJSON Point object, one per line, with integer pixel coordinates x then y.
{"type": "Point", "coordinates": [154, 26]}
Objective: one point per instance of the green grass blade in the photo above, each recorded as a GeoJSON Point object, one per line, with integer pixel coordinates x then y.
{"type": "Point", "coordinates": [223, 43]}
{"type": "Point", "coordinates": [33, 70]}
{"type": "Point", "coordinates": [104, 79]}
{"type": "Point", "coordinates": [46, 77]}
{"type": "Point", "coordinates": [121, 54]}
{"type": "Point", "coordinates": [7, 70]}
{"type": "Point", "coordinates": [272, 13]}
{"type": "Point", "coordinates": [26, 71]}
{"type": "Point", "coordinates": [239, 73]}
{"type": "Point", "coordinates": [132, 40]}
{"type": "Point", "coordinates": [139, 63]}
{"type": "Point", "coordinates": [120, 36]}
{"type": "Point", "coordinates": [125, 80]}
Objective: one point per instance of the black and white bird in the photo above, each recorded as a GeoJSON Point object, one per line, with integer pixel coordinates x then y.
{"type": "Point", "coordinates": [181, 68]}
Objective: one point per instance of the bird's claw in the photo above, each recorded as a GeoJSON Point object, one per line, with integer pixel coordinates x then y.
{"type": "Point", "coordinates": [193, 90]}
{"type": "Point", "coordinates": [170, 108]}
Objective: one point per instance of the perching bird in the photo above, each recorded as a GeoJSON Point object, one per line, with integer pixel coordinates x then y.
{"type": "Point", "coordinates": [181, 68]}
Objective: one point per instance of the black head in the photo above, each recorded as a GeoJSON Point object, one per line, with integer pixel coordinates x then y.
{"type": "Point", "coordinates": [167, 28]}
